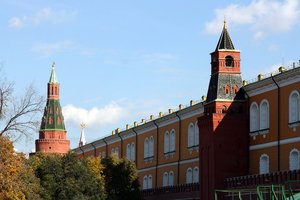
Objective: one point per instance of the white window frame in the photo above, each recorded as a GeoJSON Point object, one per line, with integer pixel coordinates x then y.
{"type": "Point", "coordinates": [146, 147]}
{"type": "Point", "coordinates": [151, 146]}
{"type": "Point", "coordinates": [166, 142]}
{"type": "Point", "coordinates": [128, 151]}
{"type": "Point", "coordinates": [171, 178]}
{"type": "Point", "coordinates": [117, 151]}
{"type": "Point", "coordinates": [264, 166]}
{"type": "Point", "coordinates": [132, 151]}
{"type": "Point", "coordinates": [191, 135]}
{"type": "Point", "coordinates": [189, 175]}
{"type": "Point", "coordinates": [292, 165]}
{"type": "Point", "coordinates": [165, 179]}
{"type": "Point", "coordinates": [196, 175]}
{"type": "Point", "coordinates": [293, 119]}
{"type": "Point", "coordinates": [196, 142]}
{"type": "Point", "coordinates": [145, 183]}
{"type": "Point", "coordinates": [254, 117]}
{"type": "Point", "coordinates": [264, 118]}
{"type": "Point", "coordinates": [149, 182]}
{"type": "Point", "coordinates": [172, 141]}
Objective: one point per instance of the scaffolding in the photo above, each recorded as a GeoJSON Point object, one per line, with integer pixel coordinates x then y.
{"type": "Point", "coordinates": [288, 191]}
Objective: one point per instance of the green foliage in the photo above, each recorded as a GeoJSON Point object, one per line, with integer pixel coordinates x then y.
{"type": "Point", "coordinates": [121, 180]}
{"type": "Point", "coordinates": [65, 177]}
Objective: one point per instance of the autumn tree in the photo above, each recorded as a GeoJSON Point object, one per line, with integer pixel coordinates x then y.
{"type": "Point", "coordinates": [121, 180]}
{"type": "Point", "coordinates": [18, 113]}
{"type": "Point", "coordinates": [17, 179]}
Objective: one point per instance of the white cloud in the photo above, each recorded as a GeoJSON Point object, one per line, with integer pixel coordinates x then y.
{"type": "Point", "coordinates": [264, 17]}
{"type": "Point", "coordinates": [42, 16]}
{"type": "Point", "coordinates": [95, 118]}
{"type": "Point", "coordinates": [47, 49]}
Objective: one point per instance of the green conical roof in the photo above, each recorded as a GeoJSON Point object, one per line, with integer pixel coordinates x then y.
{"type": "Point", "coordinates": [53, 77]}
{"type": "Point", "coordinates": [53, 118]}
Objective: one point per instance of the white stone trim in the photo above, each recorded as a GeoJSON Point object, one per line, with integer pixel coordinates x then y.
{"type": "Point", "coordinates": [146, 169]}
{"type": "Point", "coordinates": [167, 165]}
{"type": "Point", "coordinates": [272, 144]}
{"type": "Point", "coordinates": [188, 161]}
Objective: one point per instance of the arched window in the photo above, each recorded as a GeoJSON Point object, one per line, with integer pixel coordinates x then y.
{"type": "Point", "coordinates": [191, 135]}
{"type": "Point", "coordinates": [254, 117]}
{"type": "Point", "coordinates": [294, 107]}
{"type": "Point", "coordinates": [172, 140]}
{"type": "Point", "coordinates": [145, 182]}
{"type": "Point", "coordinates": [151, 146]}
{"type": "Point", "coordinates": [128, 151]}
{"type": "Point", "coordinates": [146, 148]}
{"type": "Point", "coordinates": [112, 151]}
{"type": "Point", "coordinates": [264, 164]}
{"type": "Point", "coordinates": [196, 134]}
{"type": "Point", "coordinates": [132, 152]}
{"type": "Point", "coordinates": [229, 61]}
{"type": "Point", "coordinates": [149, 182]}
{"type": "Point", "coordinates": [171, 178]}
{"type": "Point", "coordinates": [165, 179]}
{"type": "Point", "coordinates": [166, 142]}
{"type": "Point", "coordinates": [294, 159]}
{"type": "Point", "coordinates": [117, 151]}
{"type": "Point", "coordinates": [189, 175]}
{"type": "Point", "coordinates": [196, 175]}
{"type": "Point", "coordinates": [264, 115]}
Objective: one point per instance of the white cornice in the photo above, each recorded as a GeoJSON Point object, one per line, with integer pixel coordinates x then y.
{"type": "Point", "coordinates": [127, 134]}
{"type": "Point", "coordinates": [275, 143]}
{"type": "Point", "coordinates": [112, 139]}
{"type": "Point", "coordinates": [87, 148]}
{"type": "Point", "coordinates": [267, 84]}
{"type": "Point", "coordinates": [189, 161]}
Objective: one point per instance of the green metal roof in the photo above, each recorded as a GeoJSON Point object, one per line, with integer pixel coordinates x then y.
{"type": "Point", "coordinates": [53, 118]}
{"type": "Point", "coordinates": [53, 77]}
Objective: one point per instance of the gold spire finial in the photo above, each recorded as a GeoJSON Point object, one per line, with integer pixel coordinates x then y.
{"type": "Point", "coordinates": [82, 125]}
{"type": "Point", "coordinates": [225, 23]}
{"type": "Point", "coordinates": [53, 64]}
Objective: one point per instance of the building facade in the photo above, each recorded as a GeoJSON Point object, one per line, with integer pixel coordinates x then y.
{"type": "Point", "coordinates": [239, 129]}
{"type": "Point", "coordinates": [165, 149]}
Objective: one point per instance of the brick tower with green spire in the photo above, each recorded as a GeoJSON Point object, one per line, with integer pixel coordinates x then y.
{"type": "Point", "coordinates": [52, 134]}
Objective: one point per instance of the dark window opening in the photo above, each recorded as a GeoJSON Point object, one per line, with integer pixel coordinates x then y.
{"type": "Point", "coordinates": [228, 61]}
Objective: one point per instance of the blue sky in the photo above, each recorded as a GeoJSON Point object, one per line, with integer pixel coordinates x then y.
{"type": "Point", "coordinates": [121, 61]}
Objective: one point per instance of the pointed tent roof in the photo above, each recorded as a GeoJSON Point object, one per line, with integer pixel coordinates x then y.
{"type": "Point", "coordinates": [53, 77]}
{"type": "Point", "coordinates": [225, 40]}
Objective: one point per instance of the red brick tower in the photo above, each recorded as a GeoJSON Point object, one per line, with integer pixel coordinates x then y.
{"type": "Point", "coordinates": [52, 134]}
{"type": "Point", "coordinates": [223, 128]}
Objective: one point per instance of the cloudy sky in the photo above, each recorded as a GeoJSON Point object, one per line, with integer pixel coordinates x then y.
{"type": "Point", "coordinates": [121, 61]}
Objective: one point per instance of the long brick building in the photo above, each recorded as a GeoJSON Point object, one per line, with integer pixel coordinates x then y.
{"type": "Point", "coordinates": [241, 129]}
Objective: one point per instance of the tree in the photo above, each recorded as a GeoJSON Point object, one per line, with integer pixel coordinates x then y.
{"type": "Point", "coordinates": [121, 180]}
{"type": "Point", "coordinates": [66, 177]}
{"type": "Point", "coordinates": [18, 114]}
{"type": "Point", "coordinates": [17, 179]}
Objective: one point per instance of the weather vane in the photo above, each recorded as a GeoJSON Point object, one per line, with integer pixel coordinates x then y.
{"type": "Point", "coordinates": [82, 125]}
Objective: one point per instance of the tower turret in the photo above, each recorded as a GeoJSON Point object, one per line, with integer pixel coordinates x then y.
{"type": "Point", "coordinates": [52, 134]}
{"type": "Point", "coordinates": [223, 127]}
{"type": "Point", "coordinates": [225, 80]}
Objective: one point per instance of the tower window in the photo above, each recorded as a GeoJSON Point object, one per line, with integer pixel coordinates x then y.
{"type": "Point", "coordinates": [228, 61]}
{"type": "Point", "coordinates": [227, 89]}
